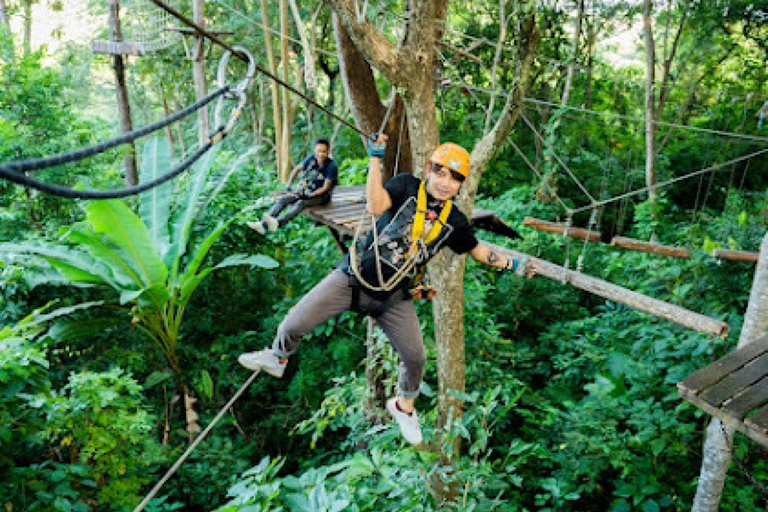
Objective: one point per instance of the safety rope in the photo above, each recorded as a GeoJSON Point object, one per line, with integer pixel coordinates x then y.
{"type": "Point", "coordinates": [194, 444]}
{"type": "Point", "coordinates": [14, 172]}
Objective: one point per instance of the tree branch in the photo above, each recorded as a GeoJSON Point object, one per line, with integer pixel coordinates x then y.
{"type": "Point", "coordinates": [377, 49]}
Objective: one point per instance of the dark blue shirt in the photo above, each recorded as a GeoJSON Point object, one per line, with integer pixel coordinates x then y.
{"type": "Point", "coordinates": [315, 175]}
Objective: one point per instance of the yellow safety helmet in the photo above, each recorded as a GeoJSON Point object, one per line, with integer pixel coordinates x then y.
{"type": "Point", "coordinates": [452, 156]}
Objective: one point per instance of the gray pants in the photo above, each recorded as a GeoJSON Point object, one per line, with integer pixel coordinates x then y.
{"type": "Point", "coordinates": [297, 206]}
{"type": "Point", "coordinates": [331, 297]}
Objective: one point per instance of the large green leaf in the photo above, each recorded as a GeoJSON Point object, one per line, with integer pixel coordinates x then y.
{"type": "Point", "coordinates": [221, 181]}
{"type": "Point", "coordinates": [183, 219]}
{"type": "Point", "coordinates": [124, 274]}
{"type": "Point", "coordinates": [155, 203]}
{"type": "Point", "coordinates": [201, 251]}
{"type": "Point", "coordinates": [74, 264]}
{"type": "Point", "coordinates": [122, 227]}
{"type": "Point", "coordinates": [56, 313]}
{"type": "Point", "coordinates": [255, 260]}
{"type": "Point", "coordinates": [155, 296]}
{"type": "Point", "coordinates": [189, 282]}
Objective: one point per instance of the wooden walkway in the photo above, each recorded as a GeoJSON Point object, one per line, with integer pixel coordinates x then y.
{"type": "Point", "coordinates": [345, 211]}
{"type": "Point", "coordinates": [735, 390]}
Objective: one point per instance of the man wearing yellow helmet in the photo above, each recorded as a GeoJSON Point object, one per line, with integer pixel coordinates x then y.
{"type": "Point", "coordinates": [416, 220]}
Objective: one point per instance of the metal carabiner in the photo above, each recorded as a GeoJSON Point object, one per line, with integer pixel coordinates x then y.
{"type": "Point", "coordinates": [238, 92]}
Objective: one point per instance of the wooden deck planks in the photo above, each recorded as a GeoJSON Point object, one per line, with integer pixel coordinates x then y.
{"type": "Point", "coordinates": [732, 361]}
{"type": "Point", "coordinates": [735, 389]}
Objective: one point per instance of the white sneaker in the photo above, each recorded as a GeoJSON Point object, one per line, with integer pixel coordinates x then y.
{"type": "Point", "coordinates": [257, 227]}
{"type": "Point", "coordinates": [409, 423]}
{"type": "Point", "coordinates": [271, 222]}
{"type": "Point", "coordinates": [263, 360]}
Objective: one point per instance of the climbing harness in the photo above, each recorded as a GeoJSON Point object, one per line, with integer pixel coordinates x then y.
{"type": "Point", "coordinates": [417, 252]}
{"type": "Point", "coordinates": [14, 171]}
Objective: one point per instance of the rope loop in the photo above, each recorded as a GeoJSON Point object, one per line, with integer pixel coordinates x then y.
{"type": "Point", "coordinates": [237, 92]}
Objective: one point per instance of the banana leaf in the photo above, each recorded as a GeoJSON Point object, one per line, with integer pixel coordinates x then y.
{"type": "Point", "coordinates": [120, 225]}
{"type": "Point", "coordinates": [78, 264]}
{"type": "Point", "coordinates": [184, 217]}
{"type": "Point", "coordinates": [155, 204]}
{"type": "Point", "coordinates": [124, 274]}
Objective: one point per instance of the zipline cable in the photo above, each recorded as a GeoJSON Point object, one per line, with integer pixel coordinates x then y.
{"type": "Point", "coordinates": [194, 444]}
{"type": "Point", "coordinates": [260, 69]}
{"type": "Point", "coordinates": [673, 180]}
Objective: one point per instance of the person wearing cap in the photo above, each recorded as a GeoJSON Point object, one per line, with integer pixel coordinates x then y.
{"type": "Point", "coordinates": [417, 218]}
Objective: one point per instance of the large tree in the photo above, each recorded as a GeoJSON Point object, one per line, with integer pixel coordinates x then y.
{"type": "Point", "coordinates": [409, 65]}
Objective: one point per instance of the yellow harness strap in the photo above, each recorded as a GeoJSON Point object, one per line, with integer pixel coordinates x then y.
{"type": "Point", "coordinates": [417, 231]}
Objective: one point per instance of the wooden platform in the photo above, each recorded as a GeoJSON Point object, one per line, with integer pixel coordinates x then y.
{"type": "Point", "coordinates": [735, 390]}
{"type": "Point", "coordinates": [347, 206]}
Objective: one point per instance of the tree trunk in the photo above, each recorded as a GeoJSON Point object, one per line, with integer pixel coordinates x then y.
{"type": "Point", "coordinates": [285, 62]}
{"type": "Point", "coordinates": [591, 39]}
{"type": "Point", "coordinates": [447, 269]}
{"type": "Point", "coordinates": [277, 118]}
{"type": "Point", "coordinates": [410, 67]}
{"type": "Point", "coordinates": [650, 118]}
{"type": "Point", "coordinates": [4, 20]}
{"type": "Point", "coordinates": [27, 44]}
{"type": "Point", "coordinates": [575, 52]}
{"type": "Point", "coordinates": [198, 69]}
{"type": "Point", "coordinates": [367, 108]}
{"type": "Point", "coordinates": [716, 451]}
{"type": "Point", "coordinates": [121, 90]}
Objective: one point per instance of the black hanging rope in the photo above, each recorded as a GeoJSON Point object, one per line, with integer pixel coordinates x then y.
{"type": "Point", "coordinates": [12, 170]}
{"type": "Point", "coordinates": [56, 190]}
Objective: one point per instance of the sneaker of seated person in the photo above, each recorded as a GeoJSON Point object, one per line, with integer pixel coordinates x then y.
{"type": "Point", "coordinates": [408, 421]}
{"type": "Point", "coordinates": [271, 222]}
{"type": "Point", "coordinates": [257, 227]}
{"type": "Point", "coordinates": [264, 360]}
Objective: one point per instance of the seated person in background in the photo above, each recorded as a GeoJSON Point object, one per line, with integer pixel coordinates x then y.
{"type": "Point", "coordinates": [319, 176]}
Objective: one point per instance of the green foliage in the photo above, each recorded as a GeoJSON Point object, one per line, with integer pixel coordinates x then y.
{"type": "Point", "coordinates": [148, 262]}
{"type": "Point", "coordinates": [100, 420]}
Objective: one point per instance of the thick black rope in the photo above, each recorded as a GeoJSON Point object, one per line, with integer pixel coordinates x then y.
{"type": "Point", "coordinates": [14, 168]}
{"type": "Point", "coordinates": [260, 69]}
{"type": "Point", "coordinates": [56, 190]}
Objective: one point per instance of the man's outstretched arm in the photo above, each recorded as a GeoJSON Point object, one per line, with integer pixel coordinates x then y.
{"type": "Point", "coordinates": [485, 254]}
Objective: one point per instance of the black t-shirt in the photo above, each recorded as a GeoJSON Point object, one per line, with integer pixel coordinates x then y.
{"type": "Point", "coordinates": [314, 175]}
{"type": "Point", "coordinates": [394, 235]}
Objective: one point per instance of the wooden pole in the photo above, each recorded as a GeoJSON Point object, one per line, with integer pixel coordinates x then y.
{"type": "Point", "coordinates": [621, 295]}
{"type": "Point", "coordinates": [560, 229]}
{"type": "Point", "coordinates": [198, 69]}
{"type": "Point", "coordinates": [121, 90]}
{"type": "Point", "coordinates": [725, 254]}
{"type": "Point", "coordinates": [639, 245]}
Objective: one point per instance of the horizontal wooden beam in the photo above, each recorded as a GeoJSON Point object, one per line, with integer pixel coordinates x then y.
{"type": "Point", "coordinates": [650, 247]}
{"type": "Point", "coordinates": [725, 254]}
{"type": "Point", "coordinates": [621, 295]}
{"type": "Point", "coordinates": [560, 229]}
{"type": "Point", "coordinates": [118, 48]}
